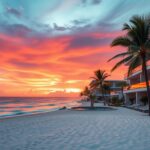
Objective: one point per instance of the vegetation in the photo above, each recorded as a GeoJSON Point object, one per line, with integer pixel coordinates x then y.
{"type": "Point", "coordinates": [92, 99]}
{"type": "Point", "coordinates": [137, 43]}
{"type": "Point", "coordinates": [132, 100]}
{"type": "Point", "coordinates": [123, 85]}
{"type": "Point", "coordinates": [99, 81]}
{"type": "Point", "coordinates": [87, 92]}
{"type": "Point", "coordinates": [144, 100]}
{"type": "Point", "coordinates": [115, 101]}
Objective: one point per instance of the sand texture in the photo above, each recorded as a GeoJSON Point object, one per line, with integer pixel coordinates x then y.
{"type": "Point", "coordinates": [121, 129]}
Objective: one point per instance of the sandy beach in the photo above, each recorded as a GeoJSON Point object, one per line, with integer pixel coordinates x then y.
{"type": "Point", "coordinates": [120, 129]}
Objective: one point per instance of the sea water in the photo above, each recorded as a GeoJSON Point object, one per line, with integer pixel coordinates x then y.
{"type": "Point", "coordinates": [12, 106]}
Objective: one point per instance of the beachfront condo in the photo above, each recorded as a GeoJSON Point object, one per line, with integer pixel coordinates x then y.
{"type": "Point", "coordinates": [135, 92]}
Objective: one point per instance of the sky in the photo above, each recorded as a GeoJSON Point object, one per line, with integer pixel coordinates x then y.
{"type": "Point", "coordinates": [52, 47]}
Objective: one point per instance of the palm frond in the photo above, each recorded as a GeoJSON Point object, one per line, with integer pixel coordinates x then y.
{"type": "Point", "coordinates": [119, 55]}
{"type": "Point", "coordinates": [125, 60]}
{"type": "Point", "coordinates": [121, 41]}
{"type": "Point", "coordinates": [137, 39]}
{"type": "Point", "coordinates": [93, 78]}
{"type": "Point", "coordinates": [133, 48]}
{"type": "Point", "coordinates": [126, 27]}
{"type": "Point", "coordinates": [99, 79]}
{"type": "Point", "coordinates": [133, 64]}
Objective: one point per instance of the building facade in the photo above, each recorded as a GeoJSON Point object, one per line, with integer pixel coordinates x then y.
{"type": "Point", "coordinates": [115, 90]}
{"type": "Point", "coordinates": [135, 92]}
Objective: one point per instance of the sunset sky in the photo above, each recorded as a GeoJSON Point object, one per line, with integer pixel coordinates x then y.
{"type": "Point", "coordinates": [52, 47]}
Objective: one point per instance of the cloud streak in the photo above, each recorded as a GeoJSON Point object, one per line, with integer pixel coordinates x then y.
{"type": "Point", "coordinates": [13, 11]}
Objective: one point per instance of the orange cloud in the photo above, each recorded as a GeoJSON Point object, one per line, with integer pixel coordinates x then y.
{"type": "Point", "coordinates": [55, 65]}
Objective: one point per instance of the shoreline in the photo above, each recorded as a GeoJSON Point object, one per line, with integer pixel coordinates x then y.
{"type": "Point", "coordinates": [65, 107]}
{"type": "Point", "coordinates": [28, 114]}
{"type": "Point", "coordinates": [20, 113]}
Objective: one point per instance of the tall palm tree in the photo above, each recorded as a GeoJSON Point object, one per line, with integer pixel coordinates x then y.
{"type": "Point", "coordinates": [137, 42]}
{"type": "Point", "coordinates": [99, 81]}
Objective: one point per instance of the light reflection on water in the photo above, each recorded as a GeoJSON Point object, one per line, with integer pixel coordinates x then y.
{"type": "Point", "coordinates": [11, 106]}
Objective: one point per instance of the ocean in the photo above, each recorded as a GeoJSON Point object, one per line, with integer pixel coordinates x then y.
{"type": "Point", "coordinates": [14, 106]}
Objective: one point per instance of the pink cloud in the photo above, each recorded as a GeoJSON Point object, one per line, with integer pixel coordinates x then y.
{"type": "Point", "coordinates": [53, 60]}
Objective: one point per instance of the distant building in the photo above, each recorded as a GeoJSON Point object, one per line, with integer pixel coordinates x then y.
{"type": "Point", "coordinates": [113, 91]}
{"type": "Point", "coordinates": [115, 88]}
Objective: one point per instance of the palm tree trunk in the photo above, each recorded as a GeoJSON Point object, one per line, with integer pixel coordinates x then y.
{"type": "Point", "coordinates": [103, 95]}
{"type": "Point", "coordinates": [144, 67]}
{"type": "Point", "coordinates": [92, 103]}
{"type": "Point", "coordinates": [122, 95]}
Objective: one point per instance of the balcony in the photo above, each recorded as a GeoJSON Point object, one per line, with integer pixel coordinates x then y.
{"type": "Point", "coordinates": [136, 86]}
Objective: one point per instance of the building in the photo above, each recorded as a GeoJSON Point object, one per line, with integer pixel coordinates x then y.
{"type": "Point", "coordinates": [115, 89]}
{"type": "Point", "coordinates": [135, 93]}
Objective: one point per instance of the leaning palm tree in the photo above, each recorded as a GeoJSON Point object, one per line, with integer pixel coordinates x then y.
{"type": "Point", "coordinates": [99, 81]}
{"type": "Point", "coordinates": [137, 42]}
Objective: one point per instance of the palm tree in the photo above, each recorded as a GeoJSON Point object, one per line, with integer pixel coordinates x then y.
{"type": "Point", "coordinates": [99, 81]}
{"type": "Point", "coordinates": [86, 92]}
{"type": "Point", "coordinates": [92, 99]}
{"type": "Point", "coordinates": [122, 85]}
{"type": "Point", "coordinates": [107, 90]}
{"type": "Point", "coordinates": [137, 42]}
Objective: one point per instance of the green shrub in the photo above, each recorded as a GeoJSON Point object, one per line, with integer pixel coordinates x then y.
{"type": "Point", "coordinates": [144, 100]}
{"type": "Point", "coordinates": [132, 100]}
{"type": "Point", "coordinates": [115, 101]}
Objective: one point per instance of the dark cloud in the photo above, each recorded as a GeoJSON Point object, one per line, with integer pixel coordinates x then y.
{"type": "Point", "coordinates": [45, 28]}
{"type": "Point", "coordinates": [84, 1]}
{"type": "Point", "coordinates": [106, 26]}
{"type": "Point", "coordinates": [85, 41]}
{"type": "Point", "coordinates": [81, 29]}
{"type": "Point", "coordinates": [83, 26]}
{"type": "Point", "coordinates": [80, 22]}
{"type": "Point", "coordinates": [13, 11]}
{"type": "Point", "coordinates": [16, 29]}
{"type": "Point", "coordinates": [60, 28]}
{"type": "Point", "coordinates": [21, 30]}
{"type": "Point", "coordinates": [94, 2]}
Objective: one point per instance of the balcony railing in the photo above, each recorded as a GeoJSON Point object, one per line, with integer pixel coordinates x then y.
{"type": "Point", "coordinates": [136, 86]}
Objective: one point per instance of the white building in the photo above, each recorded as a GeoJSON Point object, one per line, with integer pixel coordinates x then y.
{"type": "Point", "coordinates": [137, 87]}
{"type": "Point", "coordinates": [115, 90]}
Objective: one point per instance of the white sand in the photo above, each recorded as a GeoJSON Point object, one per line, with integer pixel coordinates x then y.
{"type": "Point", "coordinates": [122, 129]}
